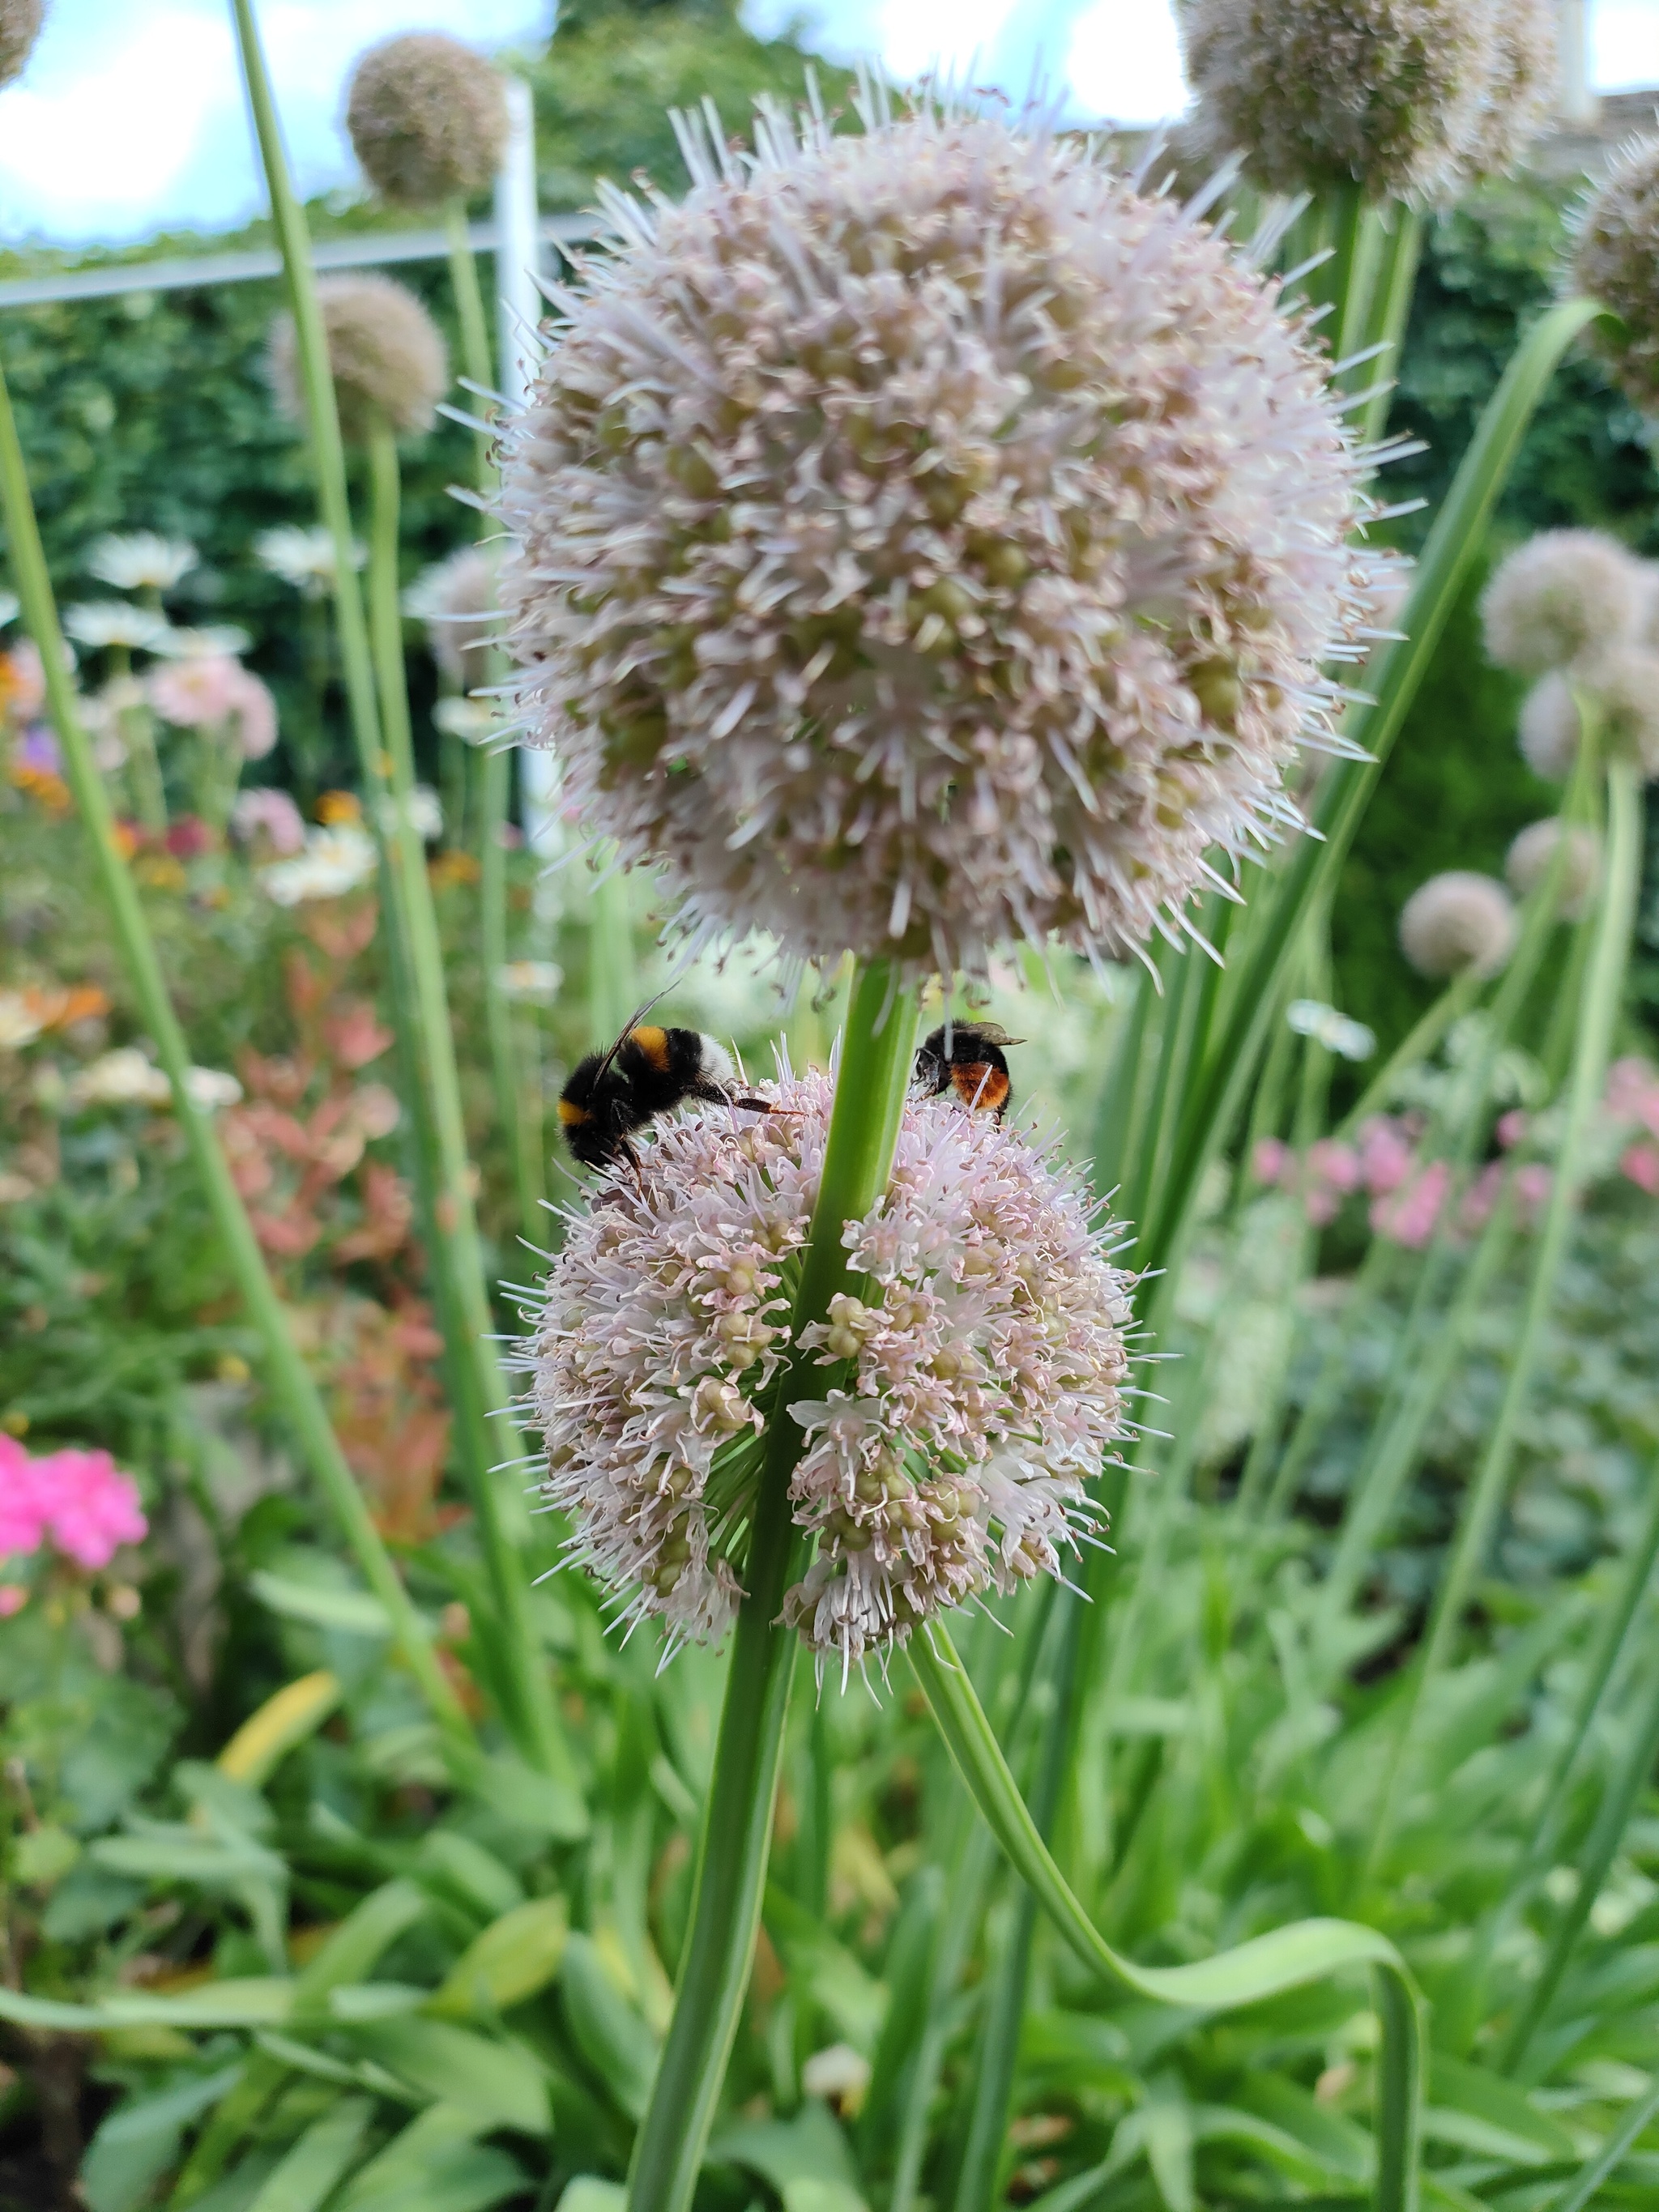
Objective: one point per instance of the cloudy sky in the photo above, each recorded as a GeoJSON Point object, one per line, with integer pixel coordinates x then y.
{"type": "Point", "coordinates": [130, 120]}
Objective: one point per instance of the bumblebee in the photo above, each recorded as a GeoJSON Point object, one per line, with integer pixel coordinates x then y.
{"type": "Point", "coordinates": [612, 1096]}
{"type": "Point", "coordinates": [968, 1058]}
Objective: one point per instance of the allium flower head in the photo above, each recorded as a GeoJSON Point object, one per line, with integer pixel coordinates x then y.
{"type": "Point", "coordinates": [1533, 853]}
{"type": "Point", "coordinates": [458, 600]}
{"type": "Point", "coordinates": [1565, 596]}
{"type": "Point", "coordinates": [1388, 93]}
{"type": "Point", "coordinates": [141, 560]}
{"type": "Point", "coordinates": [1550, 728]}
{"type": "Point", "coordinates": [1616, 261]}
{"type": "Point", "coordinates": [1457, 921]}
{"type": "Point", "coordinates": [427, 119]}
{"type": "Point", "coordinates": [1521, 77]}
{"type": "Point", "coordinates": [387, 355]}
{"type": "Point", "coordinates": [20, 26]}
{"type": "Point", "coordinates": [922, 538]}
{"type": "Point", "coordinates": [972, 1373]}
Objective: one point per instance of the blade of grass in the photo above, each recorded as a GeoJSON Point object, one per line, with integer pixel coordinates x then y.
{"type": "Point", "coordinates": [288, 1377]}
{"type": "Point", "coordinates": [876, 1051]}
{"type": "Point", "coordinates": [1606, 2161]}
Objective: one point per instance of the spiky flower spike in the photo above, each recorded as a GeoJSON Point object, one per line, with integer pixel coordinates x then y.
{"type": "Point", "coordinates": [1457, 921]}
{"type": "Point", "coordinates": [921, 539]}
{"type": "Point", "coordinates": [386, 353]}
{"type": "Point", "coordinates": [19, 27]}
{"type": "Point", "coordinates": [1565, 597]}
{"type": "Point", "coordinates": [1533, 854]}
{"type": "Point", "coordinates": [972, 1376]}
{"type": "Point", "coordinates": [427, 119]}
{"type": "Point", "coordinates": [1385, 93]}
{"type": "Point", "coordinates": [1617, 262]}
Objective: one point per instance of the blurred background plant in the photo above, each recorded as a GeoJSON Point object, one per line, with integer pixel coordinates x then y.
{"type": "Point", "coordinates": [272, 1942]}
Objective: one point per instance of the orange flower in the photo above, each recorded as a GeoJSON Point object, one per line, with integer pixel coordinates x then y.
{"type": "Point", "coordinates": [451, 868]}
{"type": "Point", "coordinates": [60, 1008]}
{"type": "Point", "coordinates": [41, 783]}
{"type": "Point", "coordinates": [336, 807]}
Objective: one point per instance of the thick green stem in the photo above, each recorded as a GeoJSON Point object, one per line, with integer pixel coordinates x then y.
{"type": "Point", "coordinates": [876, 1050]}
{"type": "Point", "coordinates": [482, 1396]}
{"type": "Point", "coordinates": [1391, 311]}
{"type": "Point", "coordinates": [1598, 1014]}
{"type": "Point", "coordinates": [289, 1380]}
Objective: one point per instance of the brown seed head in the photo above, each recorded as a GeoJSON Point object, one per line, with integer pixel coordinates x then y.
{"type": "Point", "coordinates": [427, 119]}
{"type": "Point", "coordinates": [387, 355]}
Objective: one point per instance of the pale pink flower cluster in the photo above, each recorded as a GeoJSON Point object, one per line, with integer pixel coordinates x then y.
{"type": "Point", "coordinates": [77, 1501]}
{"type": "Point", "coordinates": [1406, 1192]}
{"type": "Point", "coordinates": [263, 811]}
{"type": "Point", "coordinates": [921, 539]}
{"type": "Point", "coordinates": [212, 692]}
{"type": "Point", "coordinates": [973, 1372]}
{"type": "Point", "coordinates": [1633, 1096]}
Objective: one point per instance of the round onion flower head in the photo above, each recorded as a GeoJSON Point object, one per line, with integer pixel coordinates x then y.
{"type": "Point", "coordinates": [921, 539]}
{"type": "Point", "coordinates": [1383, 93]}
{"type": "Point", "coordinates": [458, 600]}
{"type": "Point", "coordinates": [1565, 596]}
{"type": "Point", "coordinates": [1523, 73]}
{"type": "Point", "coordinates": [427, 119]}
{"type": "Point", "coordinates": [1457, 921]}
{"type": "Point", "coordinates": [972, 1375]}
{"type": "Point", "coordinates": [386, 353]}
{"type": "Point", "coordinates": [1616, 260]}
{"type": "Point", "coordinates": [1533, 854]}
{"type": "Point", "coordinates": [1550, 728]}
{"type": "Point", "coordinates": [19, 27]}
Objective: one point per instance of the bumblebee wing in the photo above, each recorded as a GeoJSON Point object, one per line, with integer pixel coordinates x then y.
{"type": "Point", "coordinates": [629, 1028]}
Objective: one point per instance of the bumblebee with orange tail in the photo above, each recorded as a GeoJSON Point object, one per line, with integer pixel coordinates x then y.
{"type": "Point", "coordinates": [967, 1057]}
{"type": "Point", "coordinates": [612, 1096]}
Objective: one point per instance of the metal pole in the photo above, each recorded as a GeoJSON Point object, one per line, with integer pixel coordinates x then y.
{"type": "Point", "coordinates": [517, 224]}
{"type": "Point", "coordinates": [1578, 104]}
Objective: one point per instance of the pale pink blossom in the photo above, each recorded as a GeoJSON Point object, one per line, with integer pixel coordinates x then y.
{"type": "Point", "coordinates": [1640, 1163]}
{"type": "Point", "coordinates": [1407, 1214]}
{"type": "Point", "coordinates": [1482, 1196]}
{"type": "Point", "coordinates": [13, 1599]}
{"type": "Point", "coordinates": [264, 812]}
{"type": "Point", "coordinates": [1333, 1171]}
{"type": "Point", "coordinates": [1533, 1185]}
{"type": "Point", "coordinates": [1512, 1127]}
{"type": "Point", "coordinates": [1386, 1156]}
{"type": "Point", "coordinates": [207, 692]}
{"type": "Point", "coordinates": [956, 1401]}
{"type": "Point", "coordinates": [1270, 1159]}
{"type": "Point", "coordinates": [1632, 1093]}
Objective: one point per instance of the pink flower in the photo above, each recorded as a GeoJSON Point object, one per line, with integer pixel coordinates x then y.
{"type": "Point", "coordinates": [1532, 1188]}
{"type": "Point", "coordinates": [1482, 1196]}
{"type": "Point", "coordinates": [267, 812]}
{"type": "Point", "coordinates": [1630, 1081]}
{"type": "Point", "coordinates": [1408, 1213]}
{"type": "Point", "coordinates": [188, 837]}
{"type": "Point", "coordinates": [22, 1506]}
{"type": "Point", "coordinates": [13, 1599]}
{"type": "Point", "coordinates": [1640, 1163]}
{"type": "Point", "coordinates": [90, 1509]}
{"type": "Point", "coordinates": [211, 690]}
{"type": "Point", "coordinates": [1511, 1129]}
{"type": "Point", "coordinates": [1385, 1156]}
{"type": "Point", "coordinates": [1270, 1159]}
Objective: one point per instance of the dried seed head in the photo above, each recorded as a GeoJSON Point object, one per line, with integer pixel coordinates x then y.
{"type": "Point", "coordinates": [1550, 728]}
{"type": "Point", "coordinates": [921, 539]}
{"type": "Point", "coordinates": [19, 27]}
{"type": "Point", "coordinates": [952, 1409]}
{"type": "Point", "coordinates": [386, 353]}
{"type": "Point", "coordinates": [1458, 922]}
{"type": "Point", "coordinates": [1565, 597]}
{"type": "Point", "coordinates": [1622, 689]}
{"type": "Point", "coordinates": [1520, 88]}
{"type": "Point", "coordinates": [427, 119]}
{"type": "Point", "coordinates": [1533, 853]}
{"type": "Point", "coordinates": [1387, 93]}
{"type": "Point", "coordinates": [457, 600]}
{"type": "Point", "coordinates": [1616, 261]}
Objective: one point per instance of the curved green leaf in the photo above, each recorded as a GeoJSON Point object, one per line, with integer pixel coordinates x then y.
{"type": "Point", "coordinates": [1263, 1968]}
{"type": "Point", "coordinates": [259, 2001]}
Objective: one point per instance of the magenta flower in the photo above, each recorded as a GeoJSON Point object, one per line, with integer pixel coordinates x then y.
{"type": "Point", "coordinates": [1408, 1214]}
{"type": "Point", "coordinates": [78, 1499]}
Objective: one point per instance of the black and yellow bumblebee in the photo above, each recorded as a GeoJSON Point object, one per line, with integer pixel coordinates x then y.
{"type": "Point", "coordinates": [650, 1070]}
{"type": "Point", "coordinates": [968, 1058]}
